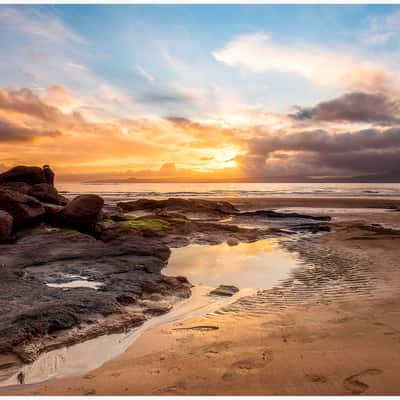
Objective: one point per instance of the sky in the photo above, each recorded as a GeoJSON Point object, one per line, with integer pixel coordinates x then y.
{"type": "Point", "coordinates": [215, 91]}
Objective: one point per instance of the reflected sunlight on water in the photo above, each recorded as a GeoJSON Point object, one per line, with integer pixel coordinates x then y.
{"type": "Point", "coordinates": [258, 265]}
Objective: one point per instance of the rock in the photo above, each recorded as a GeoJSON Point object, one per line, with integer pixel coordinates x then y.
{"type": "Point", "coordinates": [44, 192]}
{"type": "Point", "coordinates": [6, 223]}
{"type": "Point", "coordinates": [53, 213]}
{"type": "Point", "coordinates": [181, 205]}
{"type": "Point", "coordinates": [129, 271]}
{"type": "Point", "coordinates": [278, 215]}
{"type": "Point", "coordinates": [23, 208]}
{"type": "Point", "coordinates": [31, 175]}
{"type": "Point", "coordinates": [224, 290]}
{"type": "Point", "coordinates": [20, 187]}
{"type": "Point", "coordinates": [62, 200]}
{"type": "Point", "coordinates": [232, 241]}
{"type": "Point", "coordinates": [83, 211]}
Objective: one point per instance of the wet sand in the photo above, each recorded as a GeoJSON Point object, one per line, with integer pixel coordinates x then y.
{"type": "Point", "coordinates": [332, 327]}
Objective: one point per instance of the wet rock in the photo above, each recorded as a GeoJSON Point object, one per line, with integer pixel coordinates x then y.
{"type": "Point", "coordinates": [224, 290]}
{"type": "Point", "coordinates": [181, 205]}
{"type": "Point", "coordinates": [23, 208]}
{"type": "Point", "coordinates": [311, 228]}
{"type": "Point", "coordinates": [128, 271]}
{"type": "Point", "coordinates": [22, 173]}
{"type": "Point", "coordinates": [279, 215]}
{"type": "Point", "coordinates": [44, 192]}
{"type": "Point", "coordinates": [6, 224]}
{"type": "Point", "coordinates": [232, 241]}
{"type": "Point", "coordinates": [83, 211]}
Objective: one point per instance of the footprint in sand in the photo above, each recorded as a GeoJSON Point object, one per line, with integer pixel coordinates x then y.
{"type": "Point", "coordinates": [316, 378]}
{"type": "Point", "coordinates": [172, 388]}
{"type": "Point", "coordinates": [267, 356]}
{"type": "Point", "coordinates": [90, 392]}
{"type": "Point", "coordinates": [216, 348]}
{"type": "Point", "coordinates": [355, 385]}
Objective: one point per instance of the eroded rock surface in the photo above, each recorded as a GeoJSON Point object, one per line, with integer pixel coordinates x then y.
{"type": "Point", "coordinates": [224, 290]}
{"type": "Point", "coordinates": [22, 207]}
{"type": "Point", "coordinates": [22, 173]}
{"type": "Point", "coordinates": [6, 224]}
{"type": "Point", "coordinates": [180, 205]}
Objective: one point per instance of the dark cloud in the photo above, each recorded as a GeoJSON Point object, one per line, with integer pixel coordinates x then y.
{"type": "Point", "coordinates": [318, 152]}
{"type": "Point", "coordinates": [354, 107]}
{"type": "Point", "coordinates": [13, 133]}
{"type": "Point", "coordinates": [322, 141]}
{"type": "Point", "coordinates": [24, 101]}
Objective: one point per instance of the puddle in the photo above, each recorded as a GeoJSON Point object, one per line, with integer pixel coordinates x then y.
{"type": "Point", "coordinates": [79, 283]}
{"type": "Point", "coordinates": [258, 265]}
{"type": "Point", "coordinates": [249, 266]}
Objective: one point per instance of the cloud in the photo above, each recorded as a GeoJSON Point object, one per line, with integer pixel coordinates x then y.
{"type": "Point", "coordinates": [24, 101]}
{"type": "Point", "coordinates": [354, 107]}
{"type": "Point", "coordinates": [382, 29]}
{"type": "Point", "coordinates": [41, 24]}
{"type": "Point", "coordinates": [146, 75]}
{"type": "Point", "coordinates": [319, 152]}
{"type": "Point", "coordinates": [323, 141]}
{"type": "Point", "coordinates": [77, 66]}
{"type": "Point", "coordinates": [13, 133]}
{"type": "Point", "coordinates": [260, 54]}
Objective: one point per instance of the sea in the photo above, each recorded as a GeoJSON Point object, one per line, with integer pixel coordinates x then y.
{"type": "Point", "coordinates": [125, 191]}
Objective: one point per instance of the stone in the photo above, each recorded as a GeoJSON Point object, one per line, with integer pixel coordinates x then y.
{"type": "Point", "coordinates": [22, 173]}
{"type": "Point", "coordinates": [23, 208]}
{"type": "Point", "coordinates": [224, 290]}
{"type": "Point", "coordinates": [45, 193]}
{"type": "Point", "coordinates": [83, 210]}
{"type": "Point", "coordinates": [20, 187]}
{"type": "Point", "coordinates": [6, 224]}
{"type": "Point", "coordinates": [232, 241]}
{"type": "Point", "coordinates": [181, 205]}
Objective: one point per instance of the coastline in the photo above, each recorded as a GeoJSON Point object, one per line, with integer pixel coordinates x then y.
{"type": "Point", "coordinates": [342, 343]}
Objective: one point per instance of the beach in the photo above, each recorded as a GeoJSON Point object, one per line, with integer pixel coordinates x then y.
{"type": "Point", "coordinates": [331, 327]}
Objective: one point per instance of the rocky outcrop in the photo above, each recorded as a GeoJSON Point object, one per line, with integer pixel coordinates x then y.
{"type": "Point", "coordinates": [224, 290]}
{"type": "Point", "coordinates": [83, 211]}
{"type": "Point", "coordinates": [180, 205]}
{"type": "Point", "coordinates": [127, 272]}
{"type": "Point", "coordinates": [23, 208]}
{"type": "Point", "coordinates": [45, 193]}
{"type": "Point", "coordinates": [20, 187]}
{"type": "Point", "coordinates": [30, 175]}
{"type": "Point", "coordinates": [6, 224]}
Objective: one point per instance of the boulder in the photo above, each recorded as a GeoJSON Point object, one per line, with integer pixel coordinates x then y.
{"type": "Point", "coordinates": [232, 241]}
{"type": "Point", "coordinates": [6, 223]}
{"type": "Point", "coordinates": [45, 193]}
{"type": "Point", "coordinates": [22, 207]}
{"type": "Point", "coordinates": [62, 200]}
{"type": "Point", "coordinates": [20, 187]}
{"type": "Point", "coordinates": [224, 290]}
{"type": "Point", "coordinates": [31, 175]}
{"type": "Point", "coordinates": [53, 213]}
{"type": "Point", "coordinates": [83, 210]}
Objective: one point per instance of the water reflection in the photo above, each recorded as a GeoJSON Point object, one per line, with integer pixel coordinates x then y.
{"type": "Point", "coordinates": [258, 265]}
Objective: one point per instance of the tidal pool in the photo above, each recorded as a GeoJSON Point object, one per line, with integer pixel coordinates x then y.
{"type": "Point", "coordinates": [249, 266]}
{"type": "Point", "coordinates": [257, 265]}
{"type": "Point", "coordinates": [79, 283]}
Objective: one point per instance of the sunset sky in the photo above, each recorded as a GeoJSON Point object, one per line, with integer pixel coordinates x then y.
{"type": "Point", "coordinates": [171, 91]}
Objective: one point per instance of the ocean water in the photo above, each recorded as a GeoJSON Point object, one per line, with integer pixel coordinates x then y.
{"type": "Point", "coordinates": [125, 191]}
